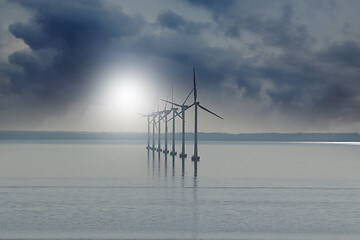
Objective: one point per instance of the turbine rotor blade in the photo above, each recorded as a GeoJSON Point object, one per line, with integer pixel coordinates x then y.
{"type": "Point", "coordinates": [167, 98]}
{"type": "Point", "coordinates": [195, 92]}
{"type": "Point", "coordinates": [189, 106]}
{"type": "Point", "coordinates": [163, 117]}
{"type": "Point", "coordinates": [209, 111]}
{"type": "Point", "coordinates": [187, 97]}
{"type": "Point", "coordinates": [171, 102]}
{"type": "Point", "coordinates": [150, 122]}
{"type": "Point", "coordinates": [152, 107]}
{"type": "Point", "coordinates": [176, 115]}
{"type": "Point", "coordinates": [141, 115]}
{"type": "Point", "coordinates": [172, 90]}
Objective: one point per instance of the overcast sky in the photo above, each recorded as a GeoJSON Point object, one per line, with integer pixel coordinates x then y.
{"type": "Point", "coordinates": [264, 66]}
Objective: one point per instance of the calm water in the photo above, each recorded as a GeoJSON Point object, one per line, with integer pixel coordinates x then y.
{"type": "Point", "coordinates": [114, 190]}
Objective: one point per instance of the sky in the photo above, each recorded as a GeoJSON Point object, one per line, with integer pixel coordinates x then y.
{"type": "Point", "coordinates": [264, 66]}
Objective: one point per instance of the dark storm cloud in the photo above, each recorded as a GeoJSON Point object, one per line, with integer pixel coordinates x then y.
{"type": "Point", "coordinates": [214, 6]}
{"type": "Point", "coordinates": [214, 64]}
{"type": "Point", "coordinates": [344, 54]}
{"type": "Point", "coordinates": [281, 31]}
{"type": "Point", "coordinates": [66, 39]}
{"type": "Point", "coordinates": [278, 64]}
{"type": "Point", "coordinates": [313, 88]}
{"type": "Point", "coordinates": [305, 82]}
{"type": "Point", "coordinates": [171, 20]}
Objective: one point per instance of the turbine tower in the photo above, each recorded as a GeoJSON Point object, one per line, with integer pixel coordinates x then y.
{"type": "Point", "coordinates": [174, 111]}
{"type": "Point", "coordinates": [148, 126]}
{"type": "Point", "coordinates": [153, 138]}
{"type": "Point", "coordinates": [196, 157]}
{"type": "Point", "coordinates": [148, 116]}
{"type": "Point", "coordinates": [165, 112]}
{"type": "Point", "coordinates": [148, 138]}
{"type": "Point", "coordinates": [159, 136]}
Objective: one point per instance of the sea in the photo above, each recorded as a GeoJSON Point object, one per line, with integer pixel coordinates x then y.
{"type": "Point", "coordinates": [119, 190]}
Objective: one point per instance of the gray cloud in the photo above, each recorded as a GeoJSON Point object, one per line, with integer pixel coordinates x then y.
{"type": "Point", "coordinates": [216, 7]}
{"type": "Point", "coordinates": [171, 20]}
{"type": "Point", "coordinates": [271, 60]}
{"type": "Point", "coordinates": [305, 82]}
{"type": "Point", "coordinates": [65, 39]}
{"type": "Point", "coordinates": [346, 54]}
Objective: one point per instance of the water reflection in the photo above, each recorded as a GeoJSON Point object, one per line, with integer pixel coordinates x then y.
{"type": "Point", "coordinates": [148, 164]}
{"type": "Point", "coordinates": [159, 158]}
{"type": "Point", "coordinates": [195, 208]}
{"type": "Point", "coordinates": [188, 191]}
{"type": "Point", "coordinates": [165, 168]}
{"type": "Point", "coordinates": [153, 165]}
{"type": "Point", "coordinates": [173, 165]}
{"type": "Point", "coordinates": [235, 199]}
{"type": "Point", "coordinates": [183, 167]}
{"type": "Point", "coordinates": [195, 168]}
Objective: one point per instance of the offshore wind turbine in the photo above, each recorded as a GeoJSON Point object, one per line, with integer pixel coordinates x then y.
{"type": "Point", "coordinates": [148, 126]}
{"type": "Point", "coordinates": [148, 138]}
{"type": "Point", "coordinates": [174, 111]}
{"type": "Point", "coordinates": [166, 112]}
{"type": "Point", "coordinates": [159, 135]}
{"type": "Point", "coordinates": [153, 121]}
{"type": "Point", "coordinates": [148, 116]}
{"type": "Point", "coordinates": [154, 126]}
{"type": "Point", "coordinates": [196, 157]}
{"type": "Point", "coordinates": [164, 118]}
{"type": "Point", "coordinates": [183, 109]}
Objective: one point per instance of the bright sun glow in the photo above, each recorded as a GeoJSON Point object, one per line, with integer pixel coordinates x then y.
{"type": "Point", "coordinates": [121, 93]}
{"type": "Point", "coordinates": [127, 93]}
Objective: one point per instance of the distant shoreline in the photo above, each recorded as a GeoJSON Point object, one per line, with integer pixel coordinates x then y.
{"type": "Point", "coordinates": [249, 137]}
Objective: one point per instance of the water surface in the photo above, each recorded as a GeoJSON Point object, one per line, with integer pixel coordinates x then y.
{"type": "Point", "coordinates": [115, 190]}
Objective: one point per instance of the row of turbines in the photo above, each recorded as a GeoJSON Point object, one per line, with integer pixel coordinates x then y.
{"type": "Point", "coordinates": [177, 110]}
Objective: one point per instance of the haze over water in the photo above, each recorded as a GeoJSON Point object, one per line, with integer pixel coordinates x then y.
{"type": "Point", "coordinates": [113, 190]}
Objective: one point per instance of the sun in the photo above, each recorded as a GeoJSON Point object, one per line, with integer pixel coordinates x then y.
{"type": "Point", "coordinates": [126, 92]}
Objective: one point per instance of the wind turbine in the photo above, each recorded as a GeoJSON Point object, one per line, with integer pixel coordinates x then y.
{"type": "Point", "coordinates": [174, 111]}
{"type": "Point", "coordinates": [165, 112]}
{"type": "Point", "coordinates": [196, 157]}
{"type": "Point", "coordinates": [183, 109]}
{"type": "Point", "coordinates": [159, 136]}
{"type": "Point", "coordinates": [148, 125]}
{"type": "Point", "coordinates": [153, 115]}
{"type": "Point", "coordinates": [148, 147]}
{"type": "Point", "coordinates": [154, 126]}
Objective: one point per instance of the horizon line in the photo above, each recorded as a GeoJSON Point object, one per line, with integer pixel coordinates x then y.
{"type": "Point", "coordinates": [84, 131]}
